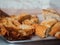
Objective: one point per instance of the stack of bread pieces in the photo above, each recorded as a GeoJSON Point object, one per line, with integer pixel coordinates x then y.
{"type": "Point", "coordinates": [50, 26]}
{"type": "Point", "coordinates": [18, 27]}
{"type": "Point", "coordinates": [24, 26]}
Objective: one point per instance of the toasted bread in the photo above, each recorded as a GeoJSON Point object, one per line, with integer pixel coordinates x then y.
{"type": "Point", "coordinates": [55, 28]}
{"type": "Point", "coordinates": [49, 22]}
{"type": "Point", "coordinates": [23, 17]}
{"type": "Point", "coordinates": [26, 29]}
{"type": "Point", "coordinates": [31, 21]}
{"type": "Point", "coordinates": [3, 30]}
{"type": "Point", "coordinates": [57, 35]}
{"type": "Point", "coordinates": [41, 31]}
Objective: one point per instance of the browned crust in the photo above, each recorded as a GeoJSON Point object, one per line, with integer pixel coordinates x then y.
{"type": "Point", "coordinates": [49, 22]}
{"type": "Point", "coordinates": [55, 28]}
{"type": "Point", "coordinates": [41, 30]}
{"type": "Point", "coordinates": [57, 35]}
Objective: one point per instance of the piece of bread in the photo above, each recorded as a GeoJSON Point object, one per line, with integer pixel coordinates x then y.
{"type": "Point", "coordinates": [10, 25]}
{"type": "Point", "coordinates": [31, 21]}
{"type": "Point", "coordinates": [27, 22]}
{"type": "Point", "coordinates": [41, 31]}
{"type": "Point", "coordinates": [49, 22]}
{"type": "Point", "coordinates": [3, 30]}
{"type": "Point", "coordinates": [57, 35]}
{"type": "Point", "coordinates": [49, 14]}
{"type": "Point", "coordinates": [55, 28]}
{"type": "Point", "coordinates": [22, 17]}
{"type": "Point", "coordinates": [26, 30]}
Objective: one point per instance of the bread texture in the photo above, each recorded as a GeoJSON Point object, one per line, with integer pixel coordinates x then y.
{"type": "Point", "coordinates": [50, 14]}
{"type": "Point", "coordinates": [55, 29]}
{"type": "Point", "coordinates": [57, 35]}
{"type": "Point", "coordinates": [49, 22]}
{"type": "Point", "coordinates": [41, 31]}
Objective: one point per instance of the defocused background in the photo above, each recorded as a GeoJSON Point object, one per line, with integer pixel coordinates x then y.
{"type": "Point", "coordinates": [24, 4]}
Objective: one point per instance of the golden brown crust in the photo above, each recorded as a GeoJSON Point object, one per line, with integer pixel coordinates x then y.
{"type": "Point", "coordinates": [27, 21]}
{"type": "Point", "coordinates": [57, 35]}
{"type": "Point", "coordinates": [55, 28]}
{"type": "Point", "coordinates": [3, 30]}
{"type": "Point", "coordinates": [23, 17]}
{"type": "Point", "coordinates": [31, 21]}
{"type": "Point", "coordinates": [15, 30]}
{"type": "Point", "coordinates": [49, 22]}
{"type": "Point", "coordinates": [41, 30]}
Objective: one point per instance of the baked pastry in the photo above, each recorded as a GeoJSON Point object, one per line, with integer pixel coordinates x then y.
{"type": "Point", "coordinates": [55, 29]}
{"type": "Point", "coordinates": [49, 22]}
{"type": "Point", "coordinates": [3, 30]}
{"type": "Point", "coordinates": [22, 17]}
{"type": "Point", "coordinates": [13, 29]}
{"type": "Point", "coordinates": [26, 30]}
{"type": "Point", "coordinates": [31, 21]}
{"type": "Point", "coordinates": [41, 31]}
{"type": "Point", "coordinates": [57, 35]}
{"type": "Point", "coordinates": [49, 14]}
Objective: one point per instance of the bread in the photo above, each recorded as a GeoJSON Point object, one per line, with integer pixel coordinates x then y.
{"type": "Point", "coordinates": [27, 21]}
{"type": "Point", "coordinates": [55, 29]}
{"type": "Point", "coordinates": [26, 30]}
{"type": "Point", "coordinates": [3, 30]}
{"type": "Point", "coordinates": [57, 35]}
{"type": "Point", "coordinates": [23, 17]}
{"type": "Point", "coordinates": [41, 31]}
{"type": "Point", "coordinates": [31, 21]}
{"type": "Point", "coordinates": [49, 22]}
{"type": "Point", "coordinates": [49, 14]}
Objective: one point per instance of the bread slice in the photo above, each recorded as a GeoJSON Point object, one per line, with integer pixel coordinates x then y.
{"type": "Point", "coordinates": [54, 29]}
{"type": "Point", "coordinates": [23, 17]}
{"type": "Point", "coordinates": [3, 30]}
{"type": "Point", "coordinates": [41, 31]}
{"type": "Point", "coordinates": [26, 30]}
{"type": "Point", "coordinates": [49, 14]}
{"type": "Point", "coordinates": [57, 35]}
{"type": "Point", "coordinates": [49, 22]}
{"type": "Point", "coordinates": [31, 21]}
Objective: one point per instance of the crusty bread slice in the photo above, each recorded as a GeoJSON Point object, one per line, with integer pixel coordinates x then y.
{"type": "Point", "coordinates": [54, 29]}
{"type": "Point", "coordinates": [49, 14]}
{"type": "Point", "coordinates": [41, 31]}
{"type": "Point", "coordinates": [21, 17]}
{"type": "Point", "coordinates": [49, 22]}
{"type": "Point", "coordinates": [26, 30]}
{"type": "Point", "coordinates": [57, 35]}
{"type": "Point", "coordinates": [3, 30]}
